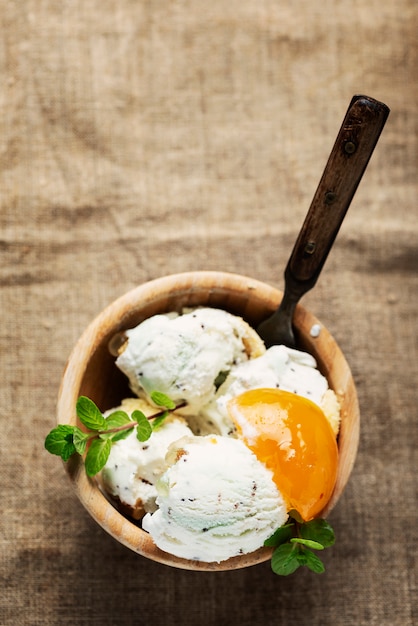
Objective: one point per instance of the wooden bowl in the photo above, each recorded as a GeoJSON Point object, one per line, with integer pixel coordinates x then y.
{"type": "Point", "coordinates": [91, 372]}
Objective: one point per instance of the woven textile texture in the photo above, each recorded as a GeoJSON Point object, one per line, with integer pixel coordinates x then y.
{"type": "Point", "coordinates": [140, 138]}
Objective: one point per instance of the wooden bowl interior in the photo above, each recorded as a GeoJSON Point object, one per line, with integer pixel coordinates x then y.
{"type": "Point", "coordinates": [91, 371]}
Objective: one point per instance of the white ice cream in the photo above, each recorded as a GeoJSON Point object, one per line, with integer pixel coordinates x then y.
{"type": "Point", "coordinates": [216, 501]}
{"type": "Point", "coordinates": [183, 355]}
{"type": "Point", "coordinates": [134, 467]}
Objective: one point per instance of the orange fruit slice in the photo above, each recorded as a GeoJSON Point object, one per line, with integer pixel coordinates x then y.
{"type": "Point", "coordinates": [293, 438]}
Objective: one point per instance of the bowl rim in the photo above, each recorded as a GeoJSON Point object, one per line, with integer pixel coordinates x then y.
{"type": "Point", "coordinates": [187, 286]}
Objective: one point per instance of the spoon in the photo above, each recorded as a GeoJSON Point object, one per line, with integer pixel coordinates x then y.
{"type": "Point", "coordinates": [356, 140]}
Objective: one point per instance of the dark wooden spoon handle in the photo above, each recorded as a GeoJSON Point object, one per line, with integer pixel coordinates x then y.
{"type": "Point", "coordinates": [356, 140]}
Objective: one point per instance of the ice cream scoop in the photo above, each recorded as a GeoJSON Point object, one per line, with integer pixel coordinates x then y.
{"type": "Point", "coordinates": [186, 356]}
{"type": "Point", "coordinates": [134, 467]}
{"type": "Point", "coordinates": [216, 501]}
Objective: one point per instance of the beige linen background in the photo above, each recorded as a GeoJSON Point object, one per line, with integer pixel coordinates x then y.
{"type": "Point", "coordinates": [145, 137]}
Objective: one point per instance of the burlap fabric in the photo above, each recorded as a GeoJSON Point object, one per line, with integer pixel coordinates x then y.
{"type": "Point", "coordinates": [142, 138]}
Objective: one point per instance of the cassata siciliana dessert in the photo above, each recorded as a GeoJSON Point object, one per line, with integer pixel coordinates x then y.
{"type": "Point", "coordinates": [253, 439]}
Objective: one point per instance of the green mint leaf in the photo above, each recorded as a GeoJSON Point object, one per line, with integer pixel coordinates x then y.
{"type": "Point", "coordinates": [301, 556]}
{"type": "Point", "coordinates": [156, 423]}
{"type": "Point", "coordinates": [122, 434]}
{"type": "Point", "coordinates": [284, 560]}
{"type": "Point", "coordinates": [307, 542]}
{"type": "Point", "coordinates": [97, 456]}
{"type": "Point", "coordinates": [89, 414]}
{"type": "Point", "coordinates": [160, 399]}
{"type": "Point", "coordinates": [318, 530]}
{"type": "Point", "coordinates": [60, 441]}
{"type": "Point", "coordinates": [313, 562]}
{"type": "Point", "coordinates": [144, 428]}
{"type": "Point", "coordinates": [104, 435]}
{"type": "Point", "coordinates": [281, 535]}
{"type": "Point", "coordinates": [80, 440]}
{"type": "Point", "coordinates": [139, 417]}
{"type": "Point", "coordinates": [117, 418]}
{"type": "Point", "coordinates": [143, 433]}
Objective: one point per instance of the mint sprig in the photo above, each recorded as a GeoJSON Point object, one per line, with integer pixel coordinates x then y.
{"type": "Point", "coordinates": [102, 432]}
{"type": "Point", "coordinates": [293, 544]}
{"type": "Point", "coordinates": [160, 399]}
